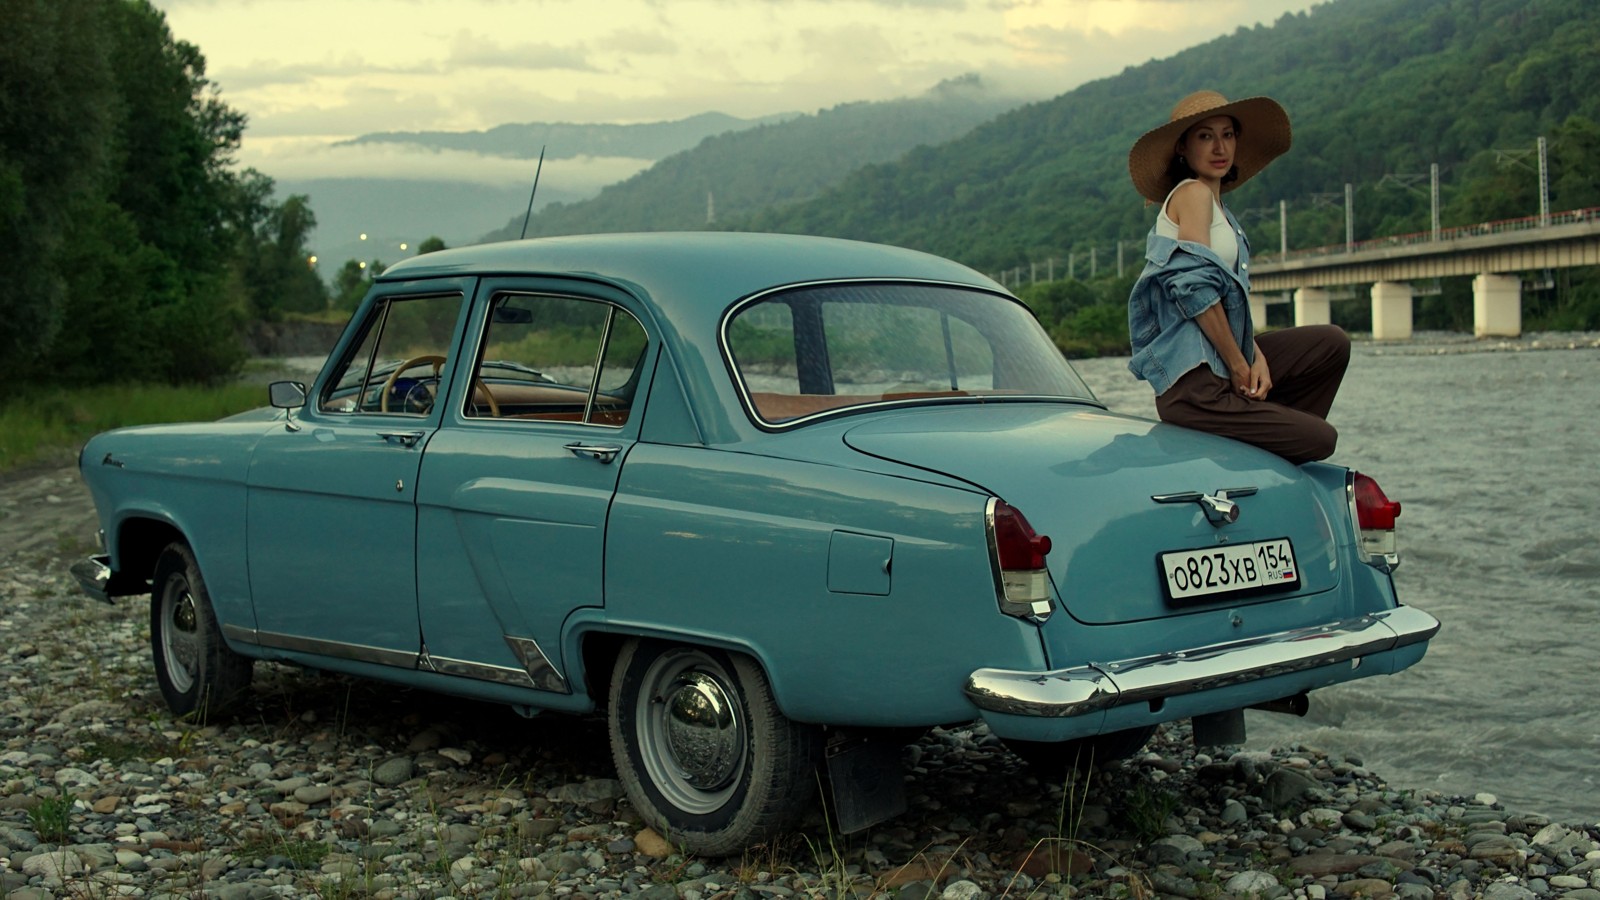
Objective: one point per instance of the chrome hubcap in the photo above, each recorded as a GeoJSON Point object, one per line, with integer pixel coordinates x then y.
{"type": "Point", "coordinates": [691, 737]}
{"type": "Point", "coordinates": [180, 639]}
{"type": "Point", "coordinates": [701, 733]}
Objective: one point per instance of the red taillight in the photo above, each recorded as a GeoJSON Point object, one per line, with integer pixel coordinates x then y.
{"type": "Point", "coordinates": [1019, 545]}
{"type": "Point", "coordinates": [1374, 511]}
{"type": "Point", "coordinates": [1022, 582]}
{"type": "Point", "coordinates": [1375, 515]}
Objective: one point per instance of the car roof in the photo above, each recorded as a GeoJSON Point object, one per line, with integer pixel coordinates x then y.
{"type": "Point", "coordinates": [688, 274]}
{"type": "Point", "coordinates": [686, 280]}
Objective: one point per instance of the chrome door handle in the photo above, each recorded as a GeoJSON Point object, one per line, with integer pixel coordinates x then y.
{"type": "Point", "coordinates": [602, 452]}
{"type": "Point", "coordinates": [406, 438]}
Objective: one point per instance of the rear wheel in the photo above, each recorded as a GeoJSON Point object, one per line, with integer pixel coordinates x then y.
{"type": "Point", "coordinates": [1056, 759]}
{"type": "Point", "coordinates": [704, 753]}
{"type": "Point", "coordinates": [199, 676]}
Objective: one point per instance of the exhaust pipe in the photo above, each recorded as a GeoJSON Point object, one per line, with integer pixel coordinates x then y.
{"type": "Point", "coordinates": [1294, 706]}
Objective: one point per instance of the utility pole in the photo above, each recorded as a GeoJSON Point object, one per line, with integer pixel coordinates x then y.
{"type": "Point", "coordinates": [1433, 171]}
{"type": "Point", "coordinates": [1544, 185]}
{"type": "Point", "coordinates": [1349, 218]}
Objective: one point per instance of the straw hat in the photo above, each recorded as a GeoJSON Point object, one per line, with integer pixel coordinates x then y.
{"type": "Point", "coordinates": [1263, 136]}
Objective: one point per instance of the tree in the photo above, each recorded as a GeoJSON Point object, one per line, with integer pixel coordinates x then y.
{"type": "Point", "coordinates": [351, 284]}
{"type": "Point", "coordinates": [274, 262]}
{"type": "Point", "coordinates": [431, 245]}
{"type": "Point", "coordinates": [56, 117]}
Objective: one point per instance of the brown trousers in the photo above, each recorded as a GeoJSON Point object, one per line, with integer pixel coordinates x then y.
{"type": "Point", "coordinates": [1307, 364]}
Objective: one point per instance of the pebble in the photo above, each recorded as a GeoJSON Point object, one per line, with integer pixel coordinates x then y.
{"type": "Point", "coordinates": [328, 786]}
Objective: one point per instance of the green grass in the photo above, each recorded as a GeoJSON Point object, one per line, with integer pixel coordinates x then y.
{"type": "Point", "coordinates": [52, 818]}
{"type": "Point", "coordinates": [44, 425]}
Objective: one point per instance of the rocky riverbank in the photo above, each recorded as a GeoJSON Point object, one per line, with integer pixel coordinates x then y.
{"type": "Point", "coordinates": [331, 787]}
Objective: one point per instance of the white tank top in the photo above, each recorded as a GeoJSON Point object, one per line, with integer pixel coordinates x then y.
{"type": "Point", "coordinates": [1224, 243]}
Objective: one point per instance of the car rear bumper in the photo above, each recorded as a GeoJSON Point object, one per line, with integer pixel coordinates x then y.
{"type": "Point", "coordinates": [1096, 687]}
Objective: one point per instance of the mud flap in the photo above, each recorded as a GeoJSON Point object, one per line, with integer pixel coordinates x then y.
{"type": "Point", "coordinates": [1214, 729]}
{"type": "Point", "coordinates": [867, 780]}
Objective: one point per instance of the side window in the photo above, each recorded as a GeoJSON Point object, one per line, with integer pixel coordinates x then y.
{"type": "Point", "coordinates": [876, 348]}
{"type": "Point", "coordinates": [396, 365]}
{"type": "Point", "coordinates": [761, 340]}
{"type": "Point", "coordinates": [558, 359]}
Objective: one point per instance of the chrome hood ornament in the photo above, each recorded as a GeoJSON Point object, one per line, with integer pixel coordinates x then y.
{"type": "Point", "coordinates": [1219, 508]}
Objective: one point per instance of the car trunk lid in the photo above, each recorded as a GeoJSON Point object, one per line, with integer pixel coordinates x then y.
{"type": "Point", "coordinates": [1090, 479]}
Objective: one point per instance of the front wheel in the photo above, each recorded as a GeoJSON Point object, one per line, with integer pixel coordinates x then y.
{"type": "Point", "coordinates": [199, 676]}
{"type": "Point", "coordinates": [704, 753]}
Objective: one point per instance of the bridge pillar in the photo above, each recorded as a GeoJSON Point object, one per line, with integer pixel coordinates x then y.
{"type": "Point", "coordinates": [1391, 311]}
{"type": "Point", "coordinates": [1311, 307]}
{"type": "Point", "coordinates": [1258, 311]}
{"type": "Point", "coordinates": [1497, 306]}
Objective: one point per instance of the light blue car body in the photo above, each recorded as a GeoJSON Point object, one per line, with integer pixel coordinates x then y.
{"type": "Point", "coordinates": [848, 554]}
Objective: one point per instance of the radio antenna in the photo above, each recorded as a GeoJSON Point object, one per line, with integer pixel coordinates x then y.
{"type": "Point", "coordinates": [531, 193]}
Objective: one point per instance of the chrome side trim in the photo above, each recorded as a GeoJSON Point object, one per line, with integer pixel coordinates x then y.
{"type": "Point", "coordinates": [537, 673]}
{"type": "Point", "coordinates": [479, 671]}
{"type": "Point", "coordinates": [1099, 686]}
{"type": "Point", "coordinates": [540, 670]}
{"type": "Point", "coordinates": [405, 659]}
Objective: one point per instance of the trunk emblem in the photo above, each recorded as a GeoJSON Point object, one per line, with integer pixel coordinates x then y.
{"type": "Point", "coordinates": [1219, 508]}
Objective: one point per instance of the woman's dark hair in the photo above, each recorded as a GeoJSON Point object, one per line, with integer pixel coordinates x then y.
{"type": "Point", "coordinates": [1178, 168]}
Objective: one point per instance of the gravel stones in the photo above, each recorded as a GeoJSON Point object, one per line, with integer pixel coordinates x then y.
{"type": "Point", "coordinates": [336, 787]}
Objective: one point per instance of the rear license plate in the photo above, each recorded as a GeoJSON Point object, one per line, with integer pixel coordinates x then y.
{"type": "Point", "coordinates": [1229, 570]}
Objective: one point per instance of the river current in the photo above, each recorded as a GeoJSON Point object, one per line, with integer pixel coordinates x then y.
{"type": "Point", "coordinates": [1491, 447]}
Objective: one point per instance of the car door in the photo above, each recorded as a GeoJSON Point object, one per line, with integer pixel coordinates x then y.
{"type": "Point", "coordinates": [516, 486]}
{"type": "Point", "coordinates": [332, 497]}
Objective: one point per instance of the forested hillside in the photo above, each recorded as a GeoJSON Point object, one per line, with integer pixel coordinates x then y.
{"type": "Point", "coordinates": [132, 249]}
{"type": "Point", "coordinates": [1374, 87]}
{"type": "Point", "coordinates": [733, 175]}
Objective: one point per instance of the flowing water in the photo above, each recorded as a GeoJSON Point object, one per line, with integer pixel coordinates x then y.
{"type": "Point", "coordinates": [1491, 448]}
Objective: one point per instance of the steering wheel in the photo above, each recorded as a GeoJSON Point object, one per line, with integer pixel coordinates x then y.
{"type": "Point", "coordinates": [438, 363]}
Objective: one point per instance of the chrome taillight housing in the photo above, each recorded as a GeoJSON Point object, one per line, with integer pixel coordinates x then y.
{"type": "Point", "coordinates": [1017, 554]}
{"type": "Point", "coordinates": [1374, 514]}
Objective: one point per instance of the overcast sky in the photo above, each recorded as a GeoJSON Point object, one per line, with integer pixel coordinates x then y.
{"type": "Point", "coordinates": [311, 72]}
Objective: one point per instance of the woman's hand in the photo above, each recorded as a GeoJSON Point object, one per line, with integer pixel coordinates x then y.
{"type": "Point", "coordinates": [1257, 381]}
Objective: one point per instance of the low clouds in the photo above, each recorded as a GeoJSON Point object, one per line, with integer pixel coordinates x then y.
{"type": "Point", "coordinates": [475, 51]}
{"type": "Point", "coordinates": [323, 70]}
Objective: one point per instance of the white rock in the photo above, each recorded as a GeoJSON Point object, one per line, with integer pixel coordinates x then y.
{"type": "Point", "coordinates": [456, 755]}
{"type": "Point", "coordinates": [1183, 843]}
{"type": "Point", "coordinates": [1486, 799]}
{"type": "Point", "coordinates": [70, 777]}
{"type": "Point", "coordinates": [59, 865]}
{"type": "Point", "coordinates": [1321, 818]}
{"type": "Point", "coordinates": [961, 890]}
{"type": "Point", "coordinates": [1251, 884]}
{"type": "Point", "coordinates": [461, 870]}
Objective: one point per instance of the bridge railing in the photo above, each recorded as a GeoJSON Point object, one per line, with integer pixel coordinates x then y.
{"type": "Point", "coordinates": [1503, 226]}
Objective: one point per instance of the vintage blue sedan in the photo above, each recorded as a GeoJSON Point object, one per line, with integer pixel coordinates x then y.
{"type": "Point", "coordinates": [774, 504]}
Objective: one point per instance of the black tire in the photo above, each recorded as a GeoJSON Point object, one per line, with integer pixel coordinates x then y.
{"type": "Point", "coordinates": [705, 755]}
{"type": "Point", "coordinates": [200, 677]}
{"type": "Point", "coordinates": [1057, 759]}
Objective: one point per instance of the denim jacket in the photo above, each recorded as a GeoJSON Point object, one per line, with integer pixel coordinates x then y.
{"type": "Point", "coordinates": [1181, 280]}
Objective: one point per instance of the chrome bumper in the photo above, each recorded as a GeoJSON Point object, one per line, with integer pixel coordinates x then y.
{"type": "Point", "coordinates": [1100, 686]}
{"type": "Point", "coordinates": [93, 575]}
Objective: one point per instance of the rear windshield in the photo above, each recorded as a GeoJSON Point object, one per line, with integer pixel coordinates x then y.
{"type": "Point", "coordinates": [806, 352]}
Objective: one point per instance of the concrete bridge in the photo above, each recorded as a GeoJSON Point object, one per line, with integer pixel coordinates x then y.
{"type": "Point", "coordinates": [1495, 253]}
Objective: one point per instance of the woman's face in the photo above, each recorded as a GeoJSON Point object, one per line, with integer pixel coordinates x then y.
{"type": "Point", "coordinates": [1209, 146]}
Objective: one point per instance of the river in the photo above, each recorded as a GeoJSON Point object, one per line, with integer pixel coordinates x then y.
{"type": "Point", "coordinates": [1490, 446]}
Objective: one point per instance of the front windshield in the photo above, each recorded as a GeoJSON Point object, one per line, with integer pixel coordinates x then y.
{"type": "Point", "coordinates": [819, 349]}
